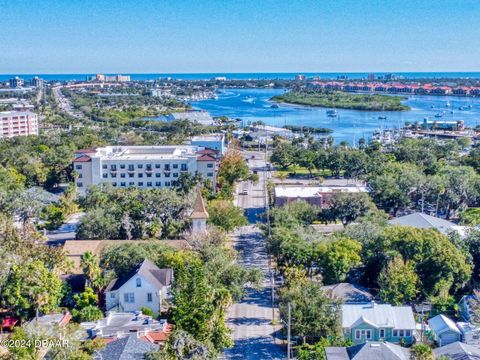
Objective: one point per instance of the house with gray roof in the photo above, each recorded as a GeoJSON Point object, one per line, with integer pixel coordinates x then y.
{"type": "Point", "coordinates": [458, 351]}
{"type": "Point", "coordinates": [128, 348]}
{"type": "Point", "coordinates": [145, 286]}
{"type": "Point", "coordinates": [424, 221]}
{"type": "Point", "coordinates": [444, 330]}
{"type": "Point", "coordinates": [348, 293]}
{"type": "Point", "coordinates": [371, 350]}
{"type": "Point", "coordinates": [377, 322]}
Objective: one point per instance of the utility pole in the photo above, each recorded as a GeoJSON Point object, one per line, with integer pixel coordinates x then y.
{"type": "Point", "coordinates": [289, 346]}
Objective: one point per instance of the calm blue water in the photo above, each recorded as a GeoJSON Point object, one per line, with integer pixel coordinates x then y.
{"type": "Point", "coordinates": [252, 105]}
{"type": "Point", "coordinates": [245, 76]}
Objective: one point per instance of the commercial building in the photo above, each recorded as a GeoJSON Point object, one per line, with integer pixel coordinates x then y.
{"type": "Point", "coordinates": [18, 123]}
{"type": "Point", "coordinates": [215, 142]}
{"type": "Point", "coordinates": [314, 195]}
{"type": "Point", "coordinates": [142, 166]}
{"type": "Point", "coordinates": [16, 82]}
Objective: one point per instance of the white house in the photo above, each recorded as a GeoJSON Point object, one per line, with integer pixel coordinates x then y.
{"type": "Point", "coordinates": [145, 286]}
{"type": "Point", "coordinates": [444, 330]}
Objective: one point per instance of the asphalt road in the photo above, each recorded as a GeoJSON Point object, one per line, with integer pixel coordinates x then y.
{"type": "Point", "coordinates": [251, 319]}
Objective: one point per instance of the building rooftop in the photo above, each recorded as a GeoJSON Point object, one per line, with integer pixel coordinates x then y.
{"type": "Point", "coordinates": [458, 351]}
{"type": "Point", "coordinates": [315, 191]}
{"type": "Point", "coordinates": [348, 293]}
{"type": "Point", "coordinates": [368, 351]}
{"type": "Point", "coordinates": [149, 271]}
{"type": "Point", "coordinates": [212, 137]}
{"type": "Point", "coordinates": [440, 324]}
{"type": "Point", "coordinates": [121, 324]}
{"type": "Point", "coordinates": [128, 348]}
{"type": "Point", "coordinates": [424, 221]}
{"type": "Point", "coordinates": [199, 211]}
{"type": "Point", "coordinates": [145, 152]}
{"type": "Point", "coordinates": [379, 315]}
{"type": "Point", "coordinates": [17, 113]}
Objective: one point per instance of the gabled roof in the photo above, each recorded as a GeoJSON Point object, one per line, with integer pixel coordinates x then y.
{"type": "Point", "coordinates": [424, 221]}
{"type": "Point", "coordinates": [348, 293]}
{"type": "Point", "coordinates": [199, 211]}
{"type": "Point", "coordinates": [206, 157]}
{"type": "Point", "coordinates": [382, 315]}
{"type": "Point", "coordinates": [440, 324]}
{"type": "Point", "coordinates": [129, 348]}
{"type": "Point", "coordinates": [458, 351]}
{"type": "Point", "coordinates": [83, 158]}
{"type": "Point", "coordinates": [149, 271]}
{"type": "Point", "coordinates": [368, 351]}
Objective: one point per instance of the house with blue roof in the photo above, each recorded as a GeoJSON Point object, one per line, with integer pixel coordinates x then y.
{"type": "Point", "coordinates": [377, 322]}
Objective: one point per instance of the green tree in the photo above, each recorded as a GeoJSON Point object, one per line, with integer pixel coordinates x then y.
{"type": "Point", "coordinates": [347, 207]}
{"type": "Point", "coordinates": [86, 306]}
{"type": "Point", "coordinates": [91, 268]}
{"type": "Point", "coordinates": [314, 316]}
{"type": "Point", "coordinates": [31, 288]}
{"type": "Point", "coordinates": [398, 284]}
{"type": "Point", "coordinates": [337, 258]}
{"type": "Point", "coordinates": [233, 168]}
{"type": "Point", "coordinates": [284, 155]}
{"type": "Point", "coordinates": [421, 351]}
{"type": "Point", "coordinates": [224, 215]}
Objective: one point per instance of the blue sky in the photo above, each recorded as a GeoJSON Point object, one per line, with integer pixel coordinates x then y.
{"type": "Point", "coordinates": [168, 36]}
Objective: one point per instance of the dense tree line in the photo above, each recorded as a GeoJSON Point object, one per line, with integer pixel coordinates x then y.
{"type": "Point", "coordinates": [406, 175]}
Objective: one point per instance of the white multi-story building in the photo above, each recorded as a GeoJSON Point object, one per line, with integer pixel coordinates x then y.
{"type": "Point", "coordinates": [142, 166]}
{"type": "Point", "coordinates": [18, 123]}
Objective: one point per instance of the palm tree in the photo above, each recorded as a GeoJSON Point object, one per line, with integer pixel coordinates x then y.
{"type": "Point", "coordinates": [90, 267]}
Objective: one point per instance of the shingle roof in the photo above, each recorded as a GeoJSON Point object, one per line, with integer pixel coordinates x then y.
{"type": "Point", "coordinates": [458, 351]}
{"type": "Point", "coordinates": [199, 211]}
{"type": "Point", "coordinates": [419, 220]}
{"type": "Point", "coordinates": [440, 324]}
{"type": "Point", "coordinates": [83, 158]}
{"type": "Point", "coordinates": [149, 271]}
{"type": "Point", "coordinates": [378, 351]}
{"type": "Point", "coordinates": [129, 348]}
{"type": "Point", "coordinates": [206, 157]}
{"type": "Point", "coordinates": [383, 315]}
{"type": "Point", "coordinates": [348, 293]}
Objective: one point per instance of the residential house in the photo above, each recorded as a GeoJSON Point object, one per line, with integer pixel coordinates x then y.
{"type": "Point", "coordinates": [444, 330]}
{"type": "Point", "coordinates": [128, 348]}
{"type": "Point", "coordinates": [470, 308]}
{"type": "Point", "coordinates": [368, 351]}
{"type": "Point", "coordinates": [458, 351]}
{"type": "Point", "coordinates": [348, 293]}
{"type": "Point", "coordinates": [424, 221]}
{"type": "Point", "coordinates": [47, 325]}
{"type": "Point", "coordinates": [377, 322]}
{"type": "Point", "coordinates": [145, 286]}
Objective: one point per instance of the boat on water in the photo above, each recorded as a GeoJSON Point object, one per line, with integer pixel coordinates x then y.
{"type": "Point", "coordinates": [274, 106]}
{"type": "Point", "coordinates": [439, 115]}
{"type": "Point", "coordinates": [447, 104]}
{"type": "Point", "coordinates": [332, 113]}
{"type": "Point", "coordinates": [382, 117]}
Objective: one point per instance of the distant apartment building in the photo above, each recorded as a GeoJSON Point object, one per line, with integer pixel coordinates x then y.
{"type": "Point", "coordinates": [16, 82]}
{"type": "Point", "coordinates": [142, 166]}
{"type": "Point", "coordinates": [18, 123]}
{"type": "Point", "coordinates": [38, 82]}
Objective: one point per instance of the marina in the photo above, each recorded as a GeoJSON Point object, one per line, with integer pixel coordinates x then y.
{"type": "Point", "coordinates": [251, 105]}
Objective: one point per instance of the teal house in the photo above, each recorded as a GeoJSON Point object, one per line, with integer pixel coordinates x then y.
{"type": "Point", "coordinates": [377, 322]}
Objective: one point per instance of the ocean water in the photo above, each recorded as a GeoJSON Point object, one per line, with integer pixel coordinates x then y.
{"type": "Point", "coordinates": [251, 105]}
{"type": "Point", "coordinates": [246, 76]}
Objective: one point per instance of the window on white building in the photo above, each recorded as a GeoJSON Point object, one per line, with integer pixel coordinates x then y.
{"type": "Point", "coordinates": [210, 166]}
{"type": "Point", "coordinates": [149, 297]}
{"type": "Point", "coordinates": [129, 297]}
{"type": "Point", "coordinates": [139, 282]}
